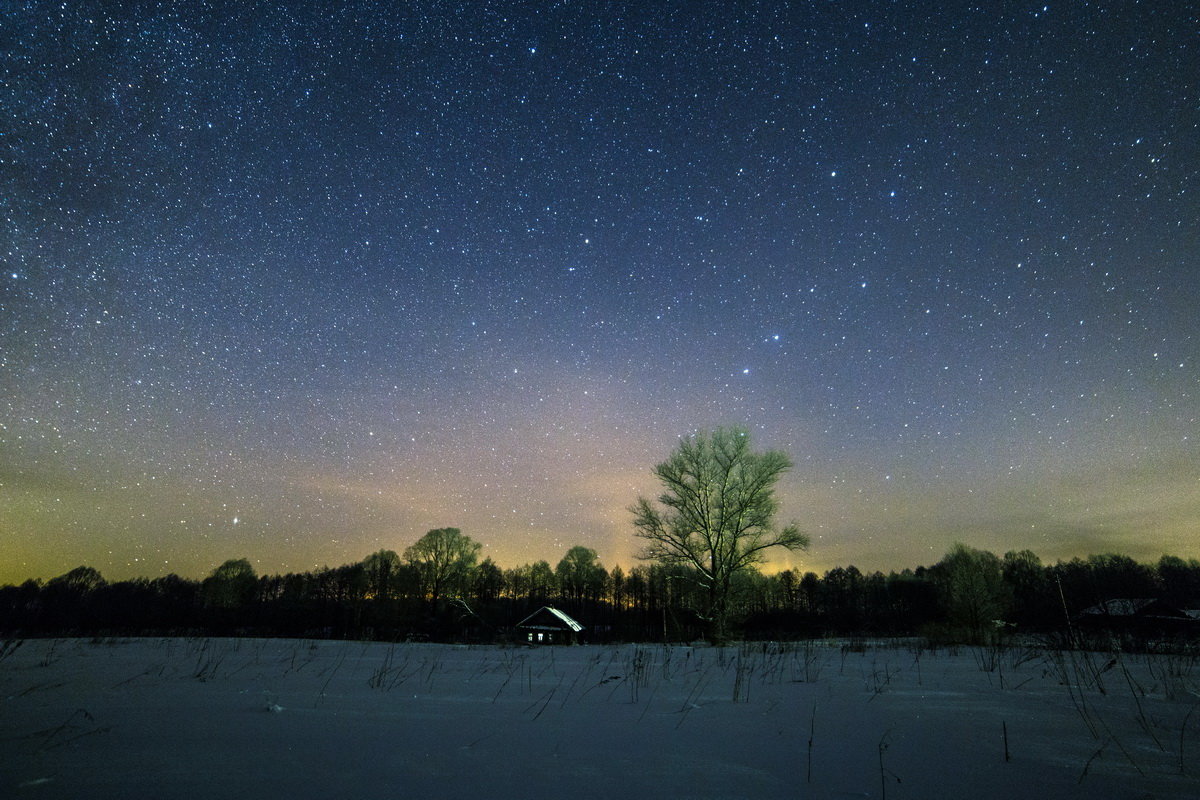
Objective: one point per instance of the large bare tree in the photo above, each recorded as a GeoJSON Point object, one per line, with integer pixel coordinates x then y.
{"type": "Point", "coordinates": [719, 499]}
{"type": "Point", "coordinates": [444, 558]}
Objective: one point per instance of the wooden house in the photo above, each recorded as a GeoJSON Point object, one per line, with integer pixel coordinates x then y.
{"type": "Point", "coordinates": [1144, 617]}
{"type": "Point", "coordinates": [548, 625]}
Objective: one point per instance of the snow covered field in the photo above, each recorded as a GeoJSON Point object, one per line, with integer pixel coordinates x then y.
{"type": "Point", "coordinates": [176, 718]}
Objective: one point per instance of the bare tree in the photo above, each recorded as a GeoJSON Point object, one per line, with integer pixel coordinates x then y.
{"type": "Point", "coordinates": [974, 592]}
{"type": "Point", "coordinates": [383, 570]}
{"type": "Point", "coordinates": [580, 574]}
{"type": "Point", "coordinates": [230, 585]}
{"type": "Point", "coordinates": [488, 582]}
{"type": "Point", "coordinates": [720, 504]}
{"type": "Point", "coordinates": [80, 580]}
{"type": "Point", "coordinates": [444, 558]}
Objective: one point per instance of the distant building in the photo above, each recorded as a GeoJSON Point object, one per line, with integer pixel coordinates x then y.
{"type": "Point", "coordinates": [1140, 617]}
{"type": "Point", "coordinates": [548, 625]}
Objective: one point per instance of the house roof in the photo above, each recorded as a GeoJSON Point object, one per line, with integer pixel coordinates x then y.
{"type": "Point", "coordinates": [1135, 607]}
{"type": "Point", "coordinates": [549, 618]}
{"type": "Point", "coordinates": [1120, 607]}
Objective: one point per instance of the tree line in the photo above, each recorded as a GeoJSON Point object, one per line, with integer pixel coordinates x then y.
{"type": "Point", "coordinates": [704, 539]}
{"type": "Point", "coordinates": [438, 589]}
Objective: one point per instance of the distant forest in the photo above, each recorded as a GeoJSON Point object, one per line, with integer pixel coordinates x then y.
{"type": "Point", "coordinates": [969, 595]}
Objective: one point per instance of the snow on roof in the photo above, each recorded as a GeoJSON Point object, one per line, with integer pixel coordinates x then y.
{"type": "Point", "coordinates": [1135, 607]}
{"type": "Point", "coordinates": [565, 618]}
{"type": "Point", "coordinates": [1120, 607]}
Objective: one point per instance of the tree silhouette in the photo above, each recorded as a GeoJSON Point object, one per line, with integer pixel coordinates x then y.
{"type": "Point", "coordinates": [580, 575]}
{"type": "Point", "coordinates": [383, 571]}
{"type": "Point", "coordinates": [80, 580]}
{"type": "Point", "coordinates": [67, 599]}
{"type": "Point", "coordinates": [443, 558]}
{"type": "Point", "coordinates": [719, 517]}
{"type": "Point", "coordinates": [487, 583]}
{"type": "Point", "coordinates": [1034, 602]}
{"type": "Point", "coordinates": [974, 592]}
{"type": "Point", "coordinates": [1180, 580]}
{"type": "Point", "coordinates": [230, 585]}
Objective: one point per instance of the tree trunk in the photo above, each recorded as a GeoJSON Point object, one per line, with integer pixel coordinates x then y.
{"type": "Point", "coordinates": [717, 614]}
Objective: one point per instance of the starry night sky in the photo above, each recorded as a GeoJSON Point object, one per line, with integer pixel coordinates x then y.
{"type": "Point", "coordinates": [298, 283]}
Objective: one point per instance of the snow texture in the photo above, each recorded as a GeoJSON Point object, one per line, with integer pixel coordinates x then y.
{"type": "Point", "coordinates": [185, 718]}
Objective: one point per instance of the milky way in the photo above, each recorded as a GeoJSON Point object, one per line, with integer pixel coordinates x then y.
{"type": "Point", "coordinates": [298, 284]}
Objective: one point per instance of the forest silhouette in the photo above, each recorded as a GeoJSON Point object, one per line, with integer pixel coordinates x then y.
{"type": "Point", "coordinates": [970, 595]}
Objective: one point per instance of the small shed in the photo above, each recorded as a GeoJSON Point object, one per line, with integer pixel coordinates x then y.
{"type": "Point", "coordinates": [548, 625]}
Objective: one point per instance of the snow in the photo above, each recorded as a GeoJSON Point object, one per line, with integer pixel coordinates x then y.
{"type": "Point", "coordinates": [176, 718]}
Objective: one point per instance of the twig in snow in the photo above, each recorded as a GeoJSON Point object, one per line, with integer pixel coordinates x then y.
{"type": "Point", "coordinates": [884, 772]}
{"type": "Point", "coordinates": [1182, 729]}
{"type": "Point", "coordinates": [1094, 756]}
{"type": "Point", "coordinates": [812, 727]}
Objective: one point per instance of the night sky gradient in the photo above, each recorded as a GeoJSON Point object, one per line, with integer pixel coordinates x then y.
{"type": "Point", "coordinates": [299, 282]}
